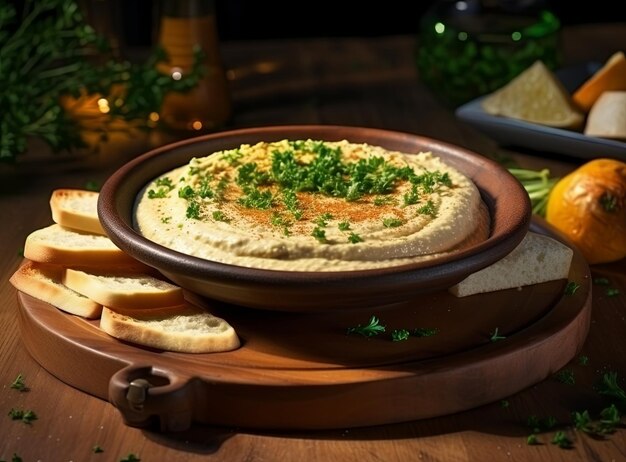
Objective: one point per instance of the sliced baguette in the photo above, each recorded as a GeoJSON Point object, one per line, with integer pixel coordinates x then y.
{"type": "Point", "coordinates": [123, 290]}
{"type": "Point", "coordinates": [44, 282]}
{"type": "Point", "coordinates": [63, 246]}
{"type": "Point", "coordinates": [538, 258]}
{"type": "Point", "coordinates": [185, 328]}
{"type": "Point", "coordinates": [76, 209]}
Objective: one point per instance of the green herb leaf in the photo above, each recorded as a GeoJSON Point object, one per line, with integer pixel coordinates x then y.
{"type": "Point", "coordinates": [372, 328]}
{"type": "Point", "coordinates": [495, 336]}
{"type": "Point", "coordinates": [392, 222]}
{"type": "Point", "coordinates": [565, 376]}
{"type": "Point", "coordinates": [612, 292]}
{"type": "Point", "coordinates": [130, 458]}
{"type": "Point", "coordinates": [601, 281]}
{"type": "Point", "coordinates": [25, 416]}
{"type": "Point", "coordinates": [97, 449]}
{"type": "Point", "coordinates": [354, 238]}
{"type": "Point", "coordinates": [561, 440]}
{"type": "Point", "coordinates": [609, 386]}
{"type": "Point", "coordinates": [400, 334]}
{"type": "Point", "coordinates": [532, 440]}
{"type": "Point", "coordinates": [425, 331]}
{"type": "Point", "coordinates": [571, 288]}
{"type": "Point", "coordinates": [19, 384]}
{"type": "Point", "coordinates": [583, 360]}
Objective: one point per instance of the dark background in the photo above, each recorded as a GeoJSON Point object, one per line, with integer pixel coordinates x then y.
{"type": "Point", "coordinates": [254, 19]}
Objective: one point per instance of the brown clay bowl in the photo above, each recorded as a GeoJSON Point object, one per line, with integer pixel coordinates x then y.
{"type": "Point", "coordinates": [507, 201]}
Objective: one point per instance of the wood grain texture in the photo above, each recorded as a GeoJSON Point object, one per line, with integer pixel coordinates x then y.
{"type": "Point", "coordinates": [367, 82]}
{"type": "Point", "coordinates": [326, 373]}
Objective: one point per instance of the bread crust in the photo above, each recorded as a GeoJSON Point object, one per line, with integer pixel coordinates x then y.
{"type": "Point", "coordinates": [538, 258]}
{"type": "Point", "coordinates": [43, 282]}
{"type": "Point", "coordinates": [63, 246]}
{"type": "Point", "coordinates": [164, 329]}
{"type": "Point", "coordinates": [123, 290]}
{"type": "Point", "coordinates": [76, 209]}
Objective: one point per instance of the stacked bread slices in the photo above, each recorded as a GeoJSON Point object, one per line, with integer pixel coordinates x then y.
{"type": "Point", "coordinates": [75, 267]}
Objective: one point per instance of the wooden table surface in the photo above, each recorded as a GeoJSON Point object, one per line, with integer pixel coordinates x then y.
{"type": "Point", "coordinates": [368, 82]}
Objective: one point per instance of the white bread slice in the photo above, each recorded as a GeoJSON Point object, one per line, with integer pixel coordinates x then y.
{"type": "Point", "coordinates": [607, 118]}
{"type": "Point", "coordinates": [44, 282]}
{"type": "Point", "coordinates": [185, 328]}
{"type": "Point", "coordinates": [76, 209]}
{"type": "Point", "coordinates": [124, 290]}
{"type": "Point", "coordinates": [538, 258]}
{"type": "Point", "coordinates": [63, 246]}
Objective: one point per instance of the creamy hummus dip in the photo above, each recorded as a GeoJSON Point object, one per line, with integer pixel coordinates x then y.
{"type": "Point", "coordinates": [309, 205]}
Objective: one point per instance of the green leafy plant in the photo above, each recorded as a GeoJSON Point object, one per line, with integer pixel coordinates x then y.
{"type": "Point", "coordinates": [49, 52]}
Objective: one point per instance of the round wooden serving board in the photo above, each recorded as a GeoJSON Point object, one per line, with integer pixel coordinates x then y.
{"type": "Point", "coordinates": [303, 371]}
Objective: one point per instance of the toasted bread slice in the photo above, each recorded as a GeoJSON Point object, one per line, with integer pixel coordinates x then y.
{"type": "Point", "coordinates": [607, 118]}
{"type": "Point", "coordinates": [44, 282]}
{"type": "Point", "coordinates": [610, 77]}
{"type": "Point", "coordinates": [76, 209]}
{"type": "Point", "coordinates": [185, 328]}
{"type": "Point", "coordinates": [124, 290]}
{"type": "Point", "coordinates": [63, 246]}
{"type": "Point", "coordinates": [537, 96]}
{"type": "Point", "coordinates": [538, 258]}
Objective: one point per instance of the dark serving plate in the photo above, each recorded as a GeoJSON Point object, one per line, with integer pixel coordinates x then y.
{"type": "Point", "coordinates": [543, 139]}
{"type": "Point", "coordinates": [506, 199]}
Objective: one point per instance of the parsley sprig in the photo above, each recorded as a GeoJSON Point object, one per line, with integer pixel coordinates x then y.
{"type": "Point", "coordinates": [47, 52]}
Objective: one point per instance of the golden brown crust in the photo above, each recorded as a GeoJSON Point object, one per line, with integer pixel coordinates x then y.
{"type": "Point", "coordinates": [76, 209]}
{"type": "Point", "coordinates": [43, 282]}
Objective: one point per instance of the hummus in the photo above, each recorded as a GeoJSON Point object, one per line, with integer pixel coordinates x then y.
{"type": "Point", "coordinates": [313, 206]}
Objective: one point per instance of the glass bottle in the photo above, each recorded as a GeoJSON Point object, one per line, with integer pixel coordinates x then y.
{"type": "Point", "coordinates": [468, 48]}
{"type": "Point", "coordinates": [184, 24]}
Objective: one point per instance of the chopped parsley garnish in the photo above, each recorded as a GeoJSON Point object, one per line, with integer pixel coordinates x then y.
{"type": "Point", "coordinates": [290, 200]}
{"type": "Point", "coordinates": [193, 210]}
{"type": "Point", "coordinates": [344, 226]}
{"type": "Point", "coordinates": [428, 209]}
{"type": "Point", "coordinates": [257, 199]}
{"type": "Point", "coordinates": [609, 386]}
{"type": "Point", "coordinates": [319, 234]}
{"type": "Point", "coordinates": [379, 201]}
{"type": "Point", "coordinates": [97, 449]}
{"type": "Point", "coordinates": [612, 292]}
{"type": "Point", "coordinates": [601, 281]}
{"type": "Point", "coordinates": [392, 222]}
{"type": "Point", "coordinates": [354, 238]}
{"type": "Point", "coordinates": [504, 403]}
{"type": "Point", "coordinates": [372, 328]}
{"type": "Point", "coordinates": [532, 439]}
{"type": "Point", "coordinates": [565, 376]}
{"type": "Point", "coordinates": [571, 288]}
{"type": "Point", "coordinates": [304, 167]}
{"type": "Point", "coordinates": [92, 185]}
{"type": "Point", "coordinates": [25, 416]}
{"type": "Point", "coordinates": [322, 220]}
{"type": "Point", "coordinates": [164, 185]}
{"type": "Point", "coordinates": [583, 360]}
{"type": "Point", "coordinates": [130, 458]}
{"type": "Point", "coordinates": [218, 215]}
{"type": "Point", "coordinates": [399, 335]}
{"type": "Point", "coordinates": [425, 332]}
{"type": "Point", "coordinates": [19, 384]}
{"type": "Point", "coordinates": [186, 192]}
{"type": "Point", "coordinates": [166, 220]}
{"type": "Point", "coordinates": [561, 440]}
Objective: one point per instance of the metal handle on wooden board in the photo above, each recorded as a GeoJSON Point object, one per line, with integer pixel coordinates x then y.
{"type": "Point", "coordinates": [146, 395]}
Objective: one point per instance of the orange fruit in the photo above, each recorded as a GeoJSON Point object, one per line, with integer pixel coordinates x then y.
{"type": "Point", "coordinates": [589, 207]}
{"type": "Point", "coordinates": [610, 77]}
